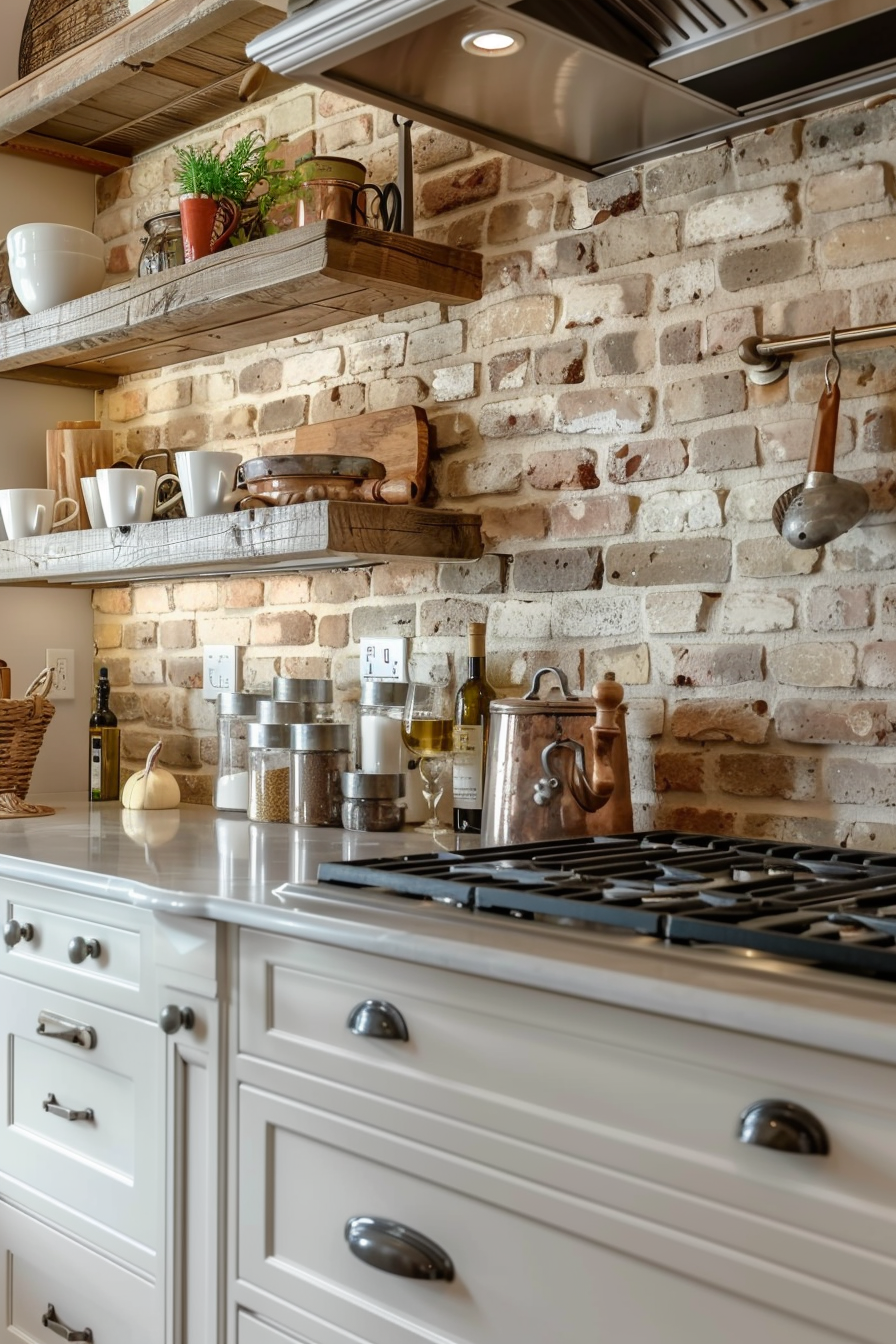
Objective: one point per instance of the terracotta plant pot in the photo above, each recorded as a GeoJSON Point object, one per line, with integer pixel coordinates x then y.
{"type": "Point", "coordinates": [207, 224]}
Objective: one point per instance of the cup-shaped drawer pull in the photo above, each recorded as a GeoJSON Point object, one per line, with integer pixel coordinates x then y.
{"type": "Point", "coordinates": [397, 1249]}
{"type": "Point", "coordinates": [79, 949]}
{"type": "Point", "coordinates": [52, 1107]}
{"type": "Point", "coordinates": [785, 1126]}
{"type": "Point", "coordinates": [61, 1029]}
{"type": "Point", "coordinates": [376, 1017]}
{"type": "Point", "coordinates": [14, 932]}
{"type": "Point", "coordinates": [52, 1322]}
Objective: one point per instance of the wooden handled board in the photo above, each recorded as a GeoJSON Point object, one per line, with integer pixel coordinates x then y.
{"type": "Point", "coordinates": [76, 448]}
{"type": "Point", "coordinates": [399, 438]}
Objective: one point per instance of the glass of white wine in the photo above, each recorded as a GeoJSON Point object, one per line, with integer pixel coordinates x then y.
{"type": "Point", "coordinates": [427, 729]}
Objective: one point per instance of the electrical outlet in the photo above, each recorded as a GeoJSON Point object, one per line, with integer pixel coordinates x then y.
{"type": "Point", "coordinates": [220, 669]}
{"type": "Point", "coordinates": [62, 662]}
{"type": "Point", "coordinates": [384, 659]}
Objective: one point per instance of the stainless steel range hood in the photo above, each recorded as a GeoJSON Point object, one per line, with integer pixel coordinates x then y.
{"type": "Point", "coordinates": [593, 85]}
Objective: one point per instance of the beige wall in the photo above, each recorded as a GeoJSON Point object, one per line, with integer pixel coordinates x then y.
{"type": "Point", "coordinates": [30, 619]}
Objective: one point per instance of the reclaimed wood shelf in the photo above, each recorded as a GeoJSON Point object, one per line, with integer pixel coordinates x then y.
{"type": "Point", "coordinates": [300, 280]}
{"type": "Point", "coordinates": [328, 534]}
{"type": "Point", "coordinates": [165, 71]}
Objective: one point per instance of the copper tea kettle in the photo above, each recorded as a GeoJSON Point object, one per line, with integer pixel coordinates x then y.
{"type": "Point", "coordinates": [557, 764]}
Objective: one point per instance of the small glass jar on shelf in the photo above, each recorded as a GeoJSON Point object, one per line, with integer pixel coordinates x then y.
{"type": "Point", "coordinates": [268, 772]}
{"type": "Point", "coordinates": [236, 710]}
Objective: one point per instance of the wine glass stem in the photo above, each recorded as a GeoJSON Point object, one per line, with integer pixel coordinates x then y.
{"type": "Point", "coordinates": [431, 775]}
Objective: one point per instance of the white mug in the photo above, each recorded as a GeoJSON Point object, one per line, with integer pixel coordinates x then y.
{"type": "Point", "coordinates": [94, 505]}
{"type": "Point", "coordinates": [128, 495]}
{"type": "Point", "coordinates": [33, 513]}
{"type": "Point", "coordinates": [207, 481]}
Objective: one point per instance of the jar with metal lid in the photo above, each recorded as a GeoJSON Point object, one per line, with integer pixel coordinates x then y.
{"type": "Point", "coordinates": [372, 802]}
{"type": "Point", "coordinates": [163, 246]}
{"type": "Point", "coordinates": [235, 711]}
{"type": "Point", "coordinates": [320, 754]}
{"type": "Point", "coordinates": [283, 711]}
{"type": "Point", "coordinates": [379, 748]}
{"type": "Point", "coordinates": [268, 772]}
{"type": "Point", "coordinates": [315, 692]}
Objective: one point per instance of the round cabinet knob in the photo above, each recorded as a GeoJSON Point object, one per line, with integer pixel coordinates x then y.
{"type": "Point", "coordinates": [784, 1126]}
{"type": "Point", "coordinates": [375, 1017]}
{"type": "Point", "coordinates": [397, 1249]}
{"type": "Point", "coordinates": [172, 1018]}
{"type": "Point", "coordinates": [14, 932]}
{"type": "Point", "coordinates": [79, 949]}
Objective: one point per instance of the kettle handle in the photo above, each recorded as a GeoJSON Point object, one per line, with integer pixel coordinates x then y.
{"type": "Point", "coordinates": [532, 693]}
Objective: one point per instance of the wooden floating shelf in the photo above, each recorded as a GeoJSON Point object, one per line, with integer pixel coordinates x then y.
{"type": "Point", "coordinates": [298, 281]}
{"type": "Point", "coordinates": [165, 71]}
{"type": "Point", "coordinates": [329, 534]}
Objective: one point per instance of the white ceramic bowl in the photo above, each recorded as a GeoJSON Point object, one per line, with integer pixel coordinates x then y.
{"type": "Point", "coordinates": [51, 264]}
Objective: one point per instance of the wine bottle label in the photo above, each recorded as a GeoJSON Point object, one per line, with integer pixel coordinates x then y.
{"type": "Point", "coordinates": [96, 767]}
{"type": "Point", "coordinates": [468, 765]}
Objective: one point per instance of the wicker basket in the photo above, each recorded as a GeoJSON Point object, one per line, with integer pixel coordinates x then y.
{"type": "Point", "coordinates": [22, 727]}
{"type": "Point", "coordinates": [52, 28]}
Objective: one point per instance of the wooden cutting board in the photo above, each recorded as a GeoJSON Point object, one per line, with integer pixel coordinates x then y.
{"type": "Point", "coordinates": [399, 438]}
{"type": "Point", "coordinates": [76, 448]}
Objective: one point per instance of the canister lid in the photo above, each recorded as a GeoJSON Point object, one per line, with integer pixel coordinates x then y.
{"type": "Point", "coordinates": [283, 711]}
{"type": "Point", "coordinates": [241, 703]}
{"type": "Point", "coordinates": [313, 690]}
{"type": "Point", "coordinates": [383, 692]}
{"type": "Point", "coordinates": [358, 784]}
{"type": "Point", "coordinates": [320, 737]}
{"type": "Point", "coordinates": [552, 700]}
{"type": "Point", "coordinates": [268, 734]}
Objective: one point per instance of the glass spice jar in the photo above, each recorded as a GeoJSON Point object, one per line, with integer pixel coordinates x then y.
{"type": "Point", "coordinates": [315, 692]}
{"type": "Point", "coordinates": [320, 752]}
{"type": "Point", "coordinates": [268, 772]}
{"type": "Point", "coordinates": [372, 802]}
{"type": "Point", "coordinates": [163, 246]}
{"type": "Point", "coordinates": [235, 711]}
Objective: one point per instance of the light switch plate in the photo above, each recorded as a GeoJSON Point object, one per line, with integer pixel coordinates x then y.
{"type": "Point", "coordinates": [384, 659]}
{"type": "Point", "coordinates": [220, 669]}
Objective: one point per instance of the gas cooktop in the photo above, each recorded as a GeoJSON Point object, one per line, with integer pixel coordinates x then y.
{"type": "Point", "coordinates": [832, 907]}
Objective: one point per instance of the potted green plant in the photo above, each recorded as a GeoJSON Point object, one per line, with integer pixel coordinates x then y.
{"type": "Point", "coordinates": [214, 186]}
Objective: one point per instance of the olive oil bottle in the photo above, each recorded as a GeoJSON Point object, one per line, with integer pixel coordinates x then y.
{"type": "Point", "coordinates": [105, 746]}
{"type": "Point", "coordinates": [471, 716]}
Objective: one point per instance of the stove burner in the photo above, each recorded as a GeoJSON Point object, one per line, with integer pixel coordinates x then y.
{"type": "Point", "coordinates": [835, 908]}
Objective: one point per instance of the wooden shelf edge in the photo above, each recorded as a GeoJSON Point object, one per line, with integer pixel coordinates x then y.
{"type": "Point", "coordinates": [65, 154]}
{"type": "Point", "coordinates": [326, 534]}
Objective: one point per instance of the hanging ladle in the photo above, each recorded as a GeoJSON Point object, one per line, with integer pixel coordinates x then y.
{"type": "Point", "coordinates": [823, 507]}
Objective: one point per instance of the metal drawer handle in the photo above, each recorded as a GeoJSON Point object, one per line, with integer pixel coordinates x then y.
{"type": "Point", "coordinates": [14, 932]}
{"type": "Point", "coordinates": [785, 1126]}
{"type": "Point", "coordinates": [397, 1249]}
{"type": "Point", "coordinates": [60, 1029]}
{"type": "Point", "coordinates": [52, 1322]}
{"type": "Point", "coordinates": [52, 1106]}
{"type": "Point", "coordinates": [79, 949]}
{"type": "Point", "coordinates": [375, 1017]}
{"type": "Point", "coordinates": [172, 1018]}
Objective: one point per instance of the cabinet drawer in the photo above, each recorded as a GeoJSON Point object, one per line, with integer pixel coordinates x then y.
{"type": "Point", "coordinates": [105, 1166]}
{"type": "Point", "coordinates": [651, 1097]}
{"type": "Point", "coordinates": [529, 1263]}
{"type": "Point", "coordinates": [44, 1268]}
{"type": "Point", "coordinates": [119, 975]}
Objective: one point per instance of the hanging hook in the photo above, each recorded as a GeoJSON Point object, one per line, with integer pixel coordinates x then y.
{"type": "Point", "coordinates": [832, 360]}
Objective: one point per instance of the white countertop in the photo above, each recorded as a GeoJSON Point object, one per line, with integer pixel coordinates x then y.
{"type": "Point", "coordinates": [201, 863]}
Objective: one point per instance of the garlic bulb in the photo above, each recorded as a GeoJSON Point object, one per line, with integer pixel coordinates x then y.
{"type": "Point", "coordinates": [151, 789]}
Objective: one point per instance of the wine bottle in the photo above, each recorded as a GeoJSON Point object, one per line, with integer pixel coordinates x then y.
{"type": "Point", "coordinates": [471, 716]}
{"type": "Point", "coordinates": [105, 745]}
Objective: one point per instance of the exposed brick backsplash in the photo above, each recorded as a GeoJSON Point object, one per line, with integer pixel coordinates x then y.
{"type": "Point", "coordinates": [592, 408]}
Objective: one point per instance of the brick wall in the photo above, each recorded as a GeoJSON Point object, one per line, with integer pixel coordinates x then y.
{"type": "Point", "coordinates": [592, 408]}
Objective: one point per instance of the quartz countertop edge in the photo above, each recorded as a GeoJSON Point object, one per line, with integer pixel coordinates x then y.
{"type": "Point", "coordinates": [846, 1014]}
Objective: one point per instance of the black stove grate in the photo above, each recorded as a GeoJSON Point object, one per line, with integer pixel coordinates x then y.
{"type": "Point", "coordinates": [833, 907]}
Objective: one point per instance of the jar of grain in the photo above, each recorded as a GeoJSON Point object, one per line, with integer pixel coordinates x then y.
{"type": "Point", "coordinates": [268, 772]}
{"type": "Point", "coordinates": [320, 753]}
{"type": "Point", "coordinates": [315, 693]}
{"type": "Point", "coordinates": [235, 710]}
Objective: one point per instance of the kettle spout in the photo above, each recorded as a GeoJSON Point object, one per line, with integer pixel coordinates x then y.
{"type": "Point", "coordinates": [590, 789]}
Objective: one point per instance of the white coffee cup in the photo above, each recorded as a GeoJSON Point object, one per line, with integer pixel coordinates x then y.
{"type": "Point", "coordinates": [128, 495]}
{"type": "Point", "coordinates": [94, 505]}
{"type": "Point", "coordinates": [33, 513]}
{"type": "Point", "coordinates": [207, 481]}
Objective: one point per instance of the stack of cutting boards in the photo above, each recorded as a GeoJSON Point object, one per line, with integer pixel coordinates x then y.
{"type": "Point", "coordinates": [399, 438]}
{"type": "Point", "coordinates": [76, 448]}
